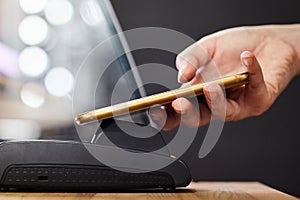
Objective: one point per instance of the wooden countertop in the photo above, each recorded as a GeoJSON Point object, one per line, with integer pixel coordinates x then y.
{"type": "Point", "coordinates": [199, 191]}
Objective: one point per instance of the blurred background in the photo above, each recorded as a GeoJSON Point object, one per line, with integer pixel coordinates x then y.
{"type": "Point", "coordinates": [37, 66]}
{"type": "Point", "coordinates": [43, 42]}
{"type": "Point", "coordinates": [42, 45]}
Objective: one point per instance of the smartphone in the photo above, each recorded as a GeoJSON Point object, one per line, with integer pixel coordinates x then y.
{"type": "Point", "coordinates": [158, 99]}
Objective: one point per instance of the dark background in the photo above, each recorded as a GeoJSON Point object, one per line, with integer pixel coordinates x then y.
{"type": "Point", "coordinates": [264, 148]}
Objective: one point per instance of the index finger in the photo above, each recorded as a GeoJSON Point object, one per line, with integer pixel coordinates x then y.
{"type": "Point", "coordinates": [192, 58]}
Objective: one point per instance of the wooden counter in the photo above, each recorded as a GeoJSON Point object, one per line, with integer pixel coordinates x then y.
{"type": "Point", "coordinates": [199, 191]}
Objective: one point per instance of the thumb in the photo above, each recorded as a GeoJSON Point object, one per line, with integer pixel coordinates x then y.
{"type": "Point", "coordinates": [256, 85]}
{"type": "Point", "coordinates": [256, 92]}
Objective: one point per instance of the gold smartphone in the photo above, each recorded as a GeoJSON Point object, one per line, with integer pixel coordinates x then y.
{"type": "Point", "coordinates": [158, 99]}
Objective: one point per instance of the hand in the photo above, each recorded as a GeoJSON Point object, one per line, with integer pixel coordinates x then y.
{"type": "Point", "coordinates": [266, 52]}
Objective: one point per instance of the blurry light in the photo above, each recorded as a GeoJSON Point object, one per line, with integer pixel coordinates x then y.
{"type": "Point", "coordinates": [33, 61]}
{"type": "Point", "coordinates": [91, 13]}
{"type": "Point", "coordinates": [33, 95]}
{"type": "Point", "coordinates": [59, 12]}
{"type": "Point", "coordinates": [32, 6]}
{"type": "Point", "coordinates": [59, 81]}
{"type": "Point", "coordinates": [33, 30]}
{"type": "Point", "coordinates": [9, 62]}
{"type": "Point", "coordinates": [10, 129]}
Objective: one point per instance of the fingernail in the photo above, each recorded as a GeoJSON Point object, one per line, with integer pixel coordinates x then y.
{"type": "Point", "coordinates": [180, 63]}
{"type": "Point", "coordinates": [248, 61]}
{"type": "Point", "coordinates": [247, 58]}
{"type": "Point", "coordinates": [180, 77]}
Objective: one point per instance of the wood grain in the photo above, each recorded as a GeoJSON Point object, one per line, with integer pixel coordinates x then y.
{"type": "Point", "coordinates": [199, 191]}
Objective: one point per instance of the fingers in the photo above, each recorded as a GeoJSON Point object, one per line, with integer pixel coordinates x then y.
{"type": "Point", "coordinates": [182, 111]}
{"type": "Point", "coordinates": [189, 114]}
{"type": "Point", "coordinates": [221, 108]}
{"type": "Point", "coordinates": [215, 100]}
{"type": "Point", "coordinates": [190, 60]}
{"type": "Point", "coordinates": [256, 92]}
{"type": "Point", "coordinates": [165, 117]}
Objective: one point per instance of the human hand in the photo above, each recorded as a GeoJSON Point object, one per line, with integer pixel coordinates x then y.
{"type": "Point", "coordinates": [271, 60]}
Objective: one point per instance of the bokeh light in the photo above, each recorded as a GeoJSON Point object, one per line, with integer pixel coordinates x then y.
{"type": "Point", "coordinates": [59, 81]}
{"type": "Point", "coordinates": [91, 13]}
{"type": "Point", "coordinates": [32, 6]}
{"type": "Point", "coordinates": [33, 30]}
{"type": "Point", "coordinates": [33, 95]}
{"type": "Point", "coordinates": [59, 12]}
{"type": "Point", "coordinates": [33, 61]}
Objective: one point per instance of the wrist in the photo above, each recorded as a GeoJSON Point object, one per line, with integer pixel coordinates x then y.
{"type": "Point", "coordinates": [290, 35]}
{"type": "Point", "coordinates": [296, 45]}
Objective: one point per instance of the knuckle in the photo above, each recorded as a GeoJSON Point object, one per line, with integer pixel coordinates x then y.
{"type": "Point", "coordinates": [258, 111]}
{"type": "Point", "coordinates": [230, 115]}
